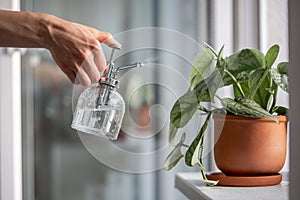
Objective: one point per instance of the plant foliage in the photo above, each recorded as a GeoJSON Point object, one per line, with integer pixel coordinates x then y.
{"type": "Point", "coordinates": [255, 87]}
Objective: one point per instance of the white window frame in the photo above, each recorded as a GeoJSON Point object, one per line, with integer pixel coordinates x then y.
{"type": "Point", "coordinates": [10, 118]}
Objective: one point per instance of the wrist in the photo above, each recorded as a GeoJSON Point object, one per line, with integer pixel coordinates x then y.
{"type": "Point", "coordinates": [47, 24]}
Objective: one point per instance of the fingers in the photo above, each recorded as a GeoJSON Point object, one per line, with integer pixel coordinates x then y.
{"type": "Point", "coordinates": [103, 37]}
{"type": "Point", "coordinates": [72, 76]}
{"type": "Point", "coordinates": [80, 77]}
{"type": "Point", "coordinates": [107, 38]}
{"type": "Point", "coordinates": [87, 71]}
{"type": "Point", "coordinates": [96, 62]}
{"type": "Point", "coordinates": [83, 78]}
{"type": "Point", "coordinates": [99, 59]}
{"type": "Point", "coordinates": [94, 65]}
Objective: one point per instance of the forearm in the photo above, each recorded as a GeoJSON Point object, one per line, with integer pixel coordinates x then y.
{"type": "Point", "coordinates": [75, 47]}
{"type": "Point", "coordinates": [23, 29]}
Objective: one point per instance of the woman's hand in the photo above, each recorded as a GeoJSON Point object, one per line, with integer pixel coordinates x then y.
{"type": "Point", "coordinates": [75, 48]}
{"type": "Point", "coordinates": [77, 51]}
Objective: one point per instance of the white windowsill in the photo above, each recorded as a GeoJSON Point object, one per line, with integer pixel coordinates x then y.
{"type": "Point", "coordinates": [192, 186]}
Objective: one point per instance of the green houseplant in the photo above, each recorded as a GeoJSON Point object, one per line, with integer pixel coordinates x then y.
{"type": "Point", "coordinates": [255, 86]}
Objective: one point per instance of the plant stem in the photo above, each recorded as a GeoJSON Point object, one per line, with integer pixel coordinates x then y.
{"type": "Point", "coordinates": [202, 108]}
{"type": "Point", "coordinates": [185, 145]}
{"type": "Point", "coordinates": [219, 97]}
{"type": "Point", "coordinates": [202, 171]}
{"type": "Point", "coordinates": [236, 82]}
{"type": "Point", "coordinates": [274, 98]}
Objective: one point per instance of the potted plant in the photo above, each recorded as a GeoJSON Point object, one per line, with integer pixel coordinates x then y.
{"type": "Point", "coordinates": [250, 128]}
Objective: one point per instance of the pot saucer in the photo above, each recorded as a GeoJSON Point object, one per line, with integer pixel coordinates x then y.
{"type": "Point", "coordinates": [245, 181]}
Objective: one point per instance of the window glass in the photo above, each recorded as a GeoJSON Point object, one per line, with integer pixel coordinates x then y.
{"type": "Point", "coordinates": [57, 162]}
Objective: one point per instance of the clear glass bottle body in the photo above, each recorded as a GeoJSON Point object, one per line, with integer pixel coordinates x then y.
{"type": "Point", "coordinates": [100, 110]}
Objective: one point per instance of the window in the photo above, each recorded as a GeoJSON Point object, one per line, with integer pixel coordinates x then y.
{"type": "Point", "coordinates": [51, 150]}
{"type": "Point", "coordinates": [56, 163]}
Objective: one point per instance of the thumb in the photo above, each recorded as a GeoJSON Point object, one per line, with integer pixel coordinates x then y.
{"type": "Point", "coordinates": [107, 38]}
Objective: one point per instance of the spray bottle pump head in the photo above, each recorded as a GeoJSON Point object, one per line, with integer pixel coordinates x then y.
{"type": "Point", "coordinates": [111, 76]}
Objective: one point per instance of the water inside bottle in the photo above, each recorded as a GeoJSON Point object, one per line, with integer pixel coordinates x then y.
{"type": "Point", "coordinates": [104, 120]}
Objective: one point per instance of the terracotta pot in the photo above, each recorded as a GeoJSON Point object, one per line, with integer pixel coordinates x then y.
{"type": "Point", "coordinates": [246, 146]}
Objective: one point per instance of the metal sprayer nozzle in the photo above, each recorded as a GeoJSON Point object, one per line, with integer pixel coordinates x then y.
{"type": "Point", "coordinates": [135, 65]}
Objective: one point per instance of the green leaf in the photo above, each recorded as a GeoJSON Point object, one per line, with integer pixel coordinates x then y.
{"type": "Point", "coordinates": [201, 67]}
{"type": "Point", "coordinates": [262, 96]}
{"type": "Point", "coordinates": [172, 133]}
{"type": "Point", "coordinates": [280, 110]}
{"type": "Point", "coordinates": [263, 93]}
{"type": "Point", "coordinates": [221, 52]}
{"type": "Point", "coordinates": [255, 87]}
{"type": "Point", "coordinates": [211, 182]}
{"type": "Point", "coordinates": [207, 88]}
{"type": "Point", "coordinates": [183, 109]}
{"type": "Point", "coordinates": [236, 84]}
{"type": "Point", "coordinates": [175, 155]}
{"type": "Point", "coordinates": [192, 154]}
{"type": "Point", "coordinates": [269, 60]}
{"type": "Point", "coordinates": [271, 55]}
{"type": "Point", "coordinates": [245, 88]}
{"type": "Point", "coordinates": [246, 107]}
{"type": "Point", "coordinates": [241, 63]}
{"type": "Point", "coordinates": [211, 49]}
{"type": "Point", "coordinates": [279, 76]}
{"type": "Point", "coordinates": [254, 79]}
{"type": "Point", "coordinates": [282, 68]}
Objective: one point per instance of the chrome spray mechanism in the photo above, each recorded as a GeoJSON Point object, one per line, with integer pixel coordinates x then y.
{"type": "Point", "coordinates": [100, 108]}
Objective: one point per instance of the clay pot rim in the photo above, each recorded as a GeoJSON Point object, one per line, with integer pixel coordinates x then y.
{"type": "Point", "coordinates": [281, 118]}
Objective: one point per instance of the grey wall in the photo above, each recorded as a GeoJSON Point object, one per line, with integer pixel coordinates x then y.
{"type": "Point", "coordinates": [294, 72]}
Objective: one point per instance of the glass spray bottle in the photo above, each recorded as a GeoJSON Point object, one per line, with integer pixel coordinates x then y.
{"type": "Point", "coordinates": [100, 108]}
